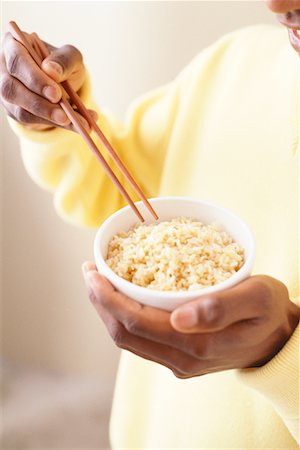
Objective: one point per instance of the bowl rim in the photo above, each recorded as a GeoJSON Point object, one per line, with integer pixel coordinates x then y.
{"type": "Point", "coordinates": [127, 285]}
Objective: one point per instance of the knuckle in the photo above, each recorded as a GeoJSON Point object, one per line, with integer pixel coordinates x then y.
{"type": "Point", "coordinates": [92, 296]}
{"type": "Point", "coordinates": [33, 81]}
{"type": "Point", "coordinates": [186, 370]}
{"type": "Point", "coordinates": [103, 298]}
{"type": "Point", "coordinates": [68, 56]}
{"type": "Point", "coordinates": [71, 50]}
{"type": "Point", "coordinates": [179, 374]}
{"type": "Point", "coordinates": [262, 291]}
{"type": "Point", "coordinates": [22, 115]}
{"type": "Point", "coordinates": [36, 107]}
{"type": "Point", "coordinates": [116, 333]}
{"type": "Point", "coordinates": [9, 114]}
{"type": "Point", "coordinates": [202, 350]}
{"type": "Point", "coordinates": [7, 87]}
{"type": "Point", "coordinates": [132, 325]}
{"type": "Point", "coordinates": [213, 311]}
{"type": "Point", "coordinates": [13, 63]}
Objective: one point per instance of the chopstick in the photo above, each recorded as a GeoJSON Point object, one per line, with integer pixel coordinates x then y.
{"type": "Point", "coordinates": [67, 89]}
{"type": "Point", "coordinates": [93, 124]}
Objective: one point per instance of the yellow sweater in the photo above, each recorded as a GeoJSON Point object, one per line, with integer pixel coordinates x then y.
{"type": "Point", "coordinates": [225, 130]}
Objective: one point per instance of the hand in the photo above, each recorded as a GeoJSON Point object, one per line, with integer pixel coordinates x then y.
{"type": "Point", "coordinates": [244, 326]}
{"type": "Point", "coordinates": [30, 94]}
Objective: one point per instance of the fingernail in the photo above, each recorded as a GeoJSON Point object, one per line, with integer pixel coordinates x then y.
{"type": "Point", "coordinates": [51, 93]}
{"type": "Point", "coordinates": [185, 317]}
{"type": "Point", "coordinates": [59, 117]}
{"type": "Point", "coordinates": [54, 66]}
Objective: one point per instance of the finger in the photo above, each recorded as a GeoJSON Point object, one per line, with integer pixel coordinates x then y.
{"type": "Point", "coordinates": [144, 321]}
{"type": "Point", "coordinates": [20, 65]}
{"type": "Point", "coordinates": [182, 364]}
{"type": "Point", "coordinates": [218, 311]}
{"type": "Point", "coordinates": [62, 62]}
{"type": "Point", "coordinates": [83, 122]}
{"type": "Point", "coordinates": [228, 344]}
{"type": "Point", "coordinates": [23, 117]}
{"type": "Point", "coordinates": [94, 114]}
{"type": "Point", "coordinates": [119, 305]}
{"type": "Point", "coordinates": [116, 330]}
{"type": "Point", "coordinates": [154, 325]}
{"type": "Point", "coordinates": [30, 120]}
{"type": "Point", "coordinates": [87, 266]}
{"type": "Point", "coordinates": [13, 91]}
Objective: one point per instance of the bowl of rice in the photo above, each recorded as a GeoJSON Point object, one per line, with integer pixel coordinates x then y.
{"type": "Point", "coordinates": [195, 248]}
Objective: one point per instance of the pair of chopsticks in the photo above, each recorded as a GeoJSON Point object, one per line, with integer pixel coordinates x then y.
{"type": "Point", "coordinates": [39, 53]}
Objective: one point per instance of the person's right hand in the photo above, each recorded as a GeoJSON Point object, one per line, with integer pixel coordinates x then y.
{"type": "Point", "coordinates": [29, 94]}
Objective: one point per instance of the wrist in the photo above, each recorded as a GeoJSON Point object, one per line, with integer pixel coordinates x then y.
{"type": "Point", "coordinates": [293, 318]}
{"type": "Point", "coordinates": [282, 335]}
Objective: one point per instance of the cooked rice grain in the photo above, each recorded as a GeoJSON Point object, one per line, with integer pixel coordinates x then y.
{"type": "Point", "coordinates": [180, 255]}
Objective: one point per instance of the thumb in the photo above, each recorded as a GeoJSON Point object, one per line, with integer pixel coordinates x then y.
{"type": "Point", "coordinates": [62, 62]}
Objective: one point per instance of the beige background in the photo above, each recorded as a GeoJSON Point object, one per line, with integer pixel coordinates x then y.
{"type": "Point", "coordinates": [129, 47]}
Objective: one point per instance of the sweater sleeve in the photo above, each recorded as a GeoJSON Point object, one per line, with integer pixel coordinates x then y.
{"type": "Point", "coordinates": [278, 381]}
{"type": "Point", "coordinates": [60, 161]}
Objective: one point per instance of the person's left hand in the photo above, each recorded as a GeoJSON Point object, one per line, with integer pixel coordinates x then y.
{"type": "Point", "coordinates": [244, 326]}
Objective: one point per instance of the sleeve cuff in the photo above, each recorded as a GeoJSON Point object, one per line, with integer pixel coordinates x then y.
{"type": "Point", "coordinates": [278, 380]}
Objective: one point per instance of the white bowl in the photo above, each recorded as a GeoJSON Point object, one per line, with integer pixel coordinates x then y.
{"type": "Point", "coordinates": [168, 208]}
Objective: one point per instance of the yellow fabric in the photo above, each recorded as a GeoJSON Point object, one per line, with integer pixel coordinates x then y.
{"type": "Point", "coordinates": [226, 130]}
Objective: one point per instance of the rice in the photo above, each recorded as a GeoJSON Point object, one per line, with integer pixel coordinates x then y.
{"type": "Point", "coordinates": [177, 255]}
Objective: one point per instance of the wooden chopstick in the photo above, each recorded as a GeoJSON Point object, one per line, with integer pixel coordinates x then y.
{"type": "Point", "coordinates": [21, 37]}
{"type": "Point", "coordinates": [93, 124]}
{"type": "Point", "coordinates": [66, 88]}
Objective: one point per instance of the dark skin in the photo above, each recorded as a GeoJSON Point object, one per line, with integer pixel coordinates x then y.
{"type": "Point", "coordinates": [244, 326]}
{"type": "Point", "coordinates": [31, 95]}
{"type": "Point", "coordinates": [240, 327]}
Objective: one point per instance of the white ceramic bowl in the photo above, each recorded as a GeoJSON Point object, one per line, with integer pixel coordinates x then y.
{"type": "Point", "coordinates": [168, 208]}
